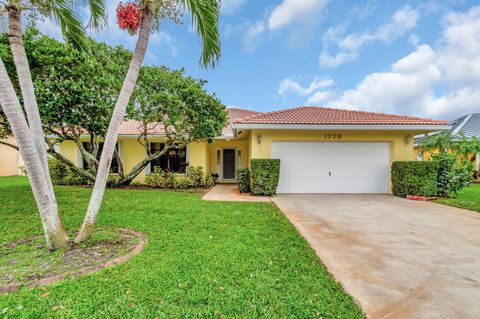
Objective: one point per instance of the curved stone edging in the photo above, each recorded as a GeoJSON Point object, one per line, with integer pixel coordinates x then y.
{"type": "Point", "coordinates": [85, 271]}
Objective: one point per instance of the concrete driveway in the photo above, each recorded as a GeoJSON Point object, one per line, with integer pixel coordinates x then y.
{"type": "Point", "coordinates": [398, 258]}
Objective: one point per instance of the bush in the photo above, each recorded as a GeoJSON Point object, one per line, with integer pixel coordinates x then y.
{"type": "Point", "coordinates": [243, 180]}
{"type": "Point", "coordinates": [414, 178]}
{"type": "Point", "coordinates": [195, 177]}
{"type": "Point", "coordinates": [442, 176]}
{"type": "Point", "coordinates": [210, 180]}
{"type": "Point", "coordinates": [62, 174]}
{"type": "Point", "coordinates": [264, 176]}
{"type": "Point", "coordinates": [452, 174]}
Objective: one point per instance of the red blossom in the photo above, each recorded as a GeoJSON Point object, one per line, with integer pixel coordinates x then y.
{"type": "Point", "coordinates": [129, 16]}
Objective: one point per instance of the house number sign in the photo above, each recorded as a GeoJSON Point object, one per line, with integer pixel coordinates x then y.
{"type": "Point", "coordinates": [329, 136]}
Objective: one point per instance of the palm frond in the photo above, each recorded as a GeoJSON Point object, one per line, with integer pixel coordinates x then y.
{"type": "Point", "coordinates": [205, 15]}
{"type": "Point", "coordinates": [98, 13]}
{"type": "Point", "coordinates": [70, 23]}
{"type": "Point", "coordinates": [439, 141]}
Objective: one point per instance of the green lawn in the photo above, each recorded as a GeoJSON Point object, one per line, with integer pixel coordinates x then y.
{"type": "Point", "coordinates": [203, 260]}
{"type": "Point", "coordinates": [469, 198]}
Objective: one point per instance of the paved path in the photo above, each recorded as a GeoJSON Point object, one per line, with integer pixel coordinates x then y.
{"type": "Point", "coordinates": [398, 258]}
{"type": "Point", "coordinates": [229, 192]}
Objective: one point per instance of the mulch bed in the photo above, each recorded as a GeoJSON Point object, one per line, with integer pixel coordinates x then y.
{"type": "Point", "coordinates": [81, 260]}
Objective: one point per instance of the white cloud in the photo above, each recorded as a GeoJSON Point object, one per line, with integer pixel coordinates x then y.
{"type": "Point", "coordinates": [333, 61]}
{"type": "Point", "coordinates": [162, 38]}
{"type": "Point", "coordinates": [441, 82]}
{"type": "Point", "coordinates": [320, 97]}
{"type": "Point", "coordinates": [289, 85]}
{"type": "Point", "coordinates": [252, 37]}
{"type": "Point", "coordinates": [303, 12]}
{"type": "Point", "coordinates": [403, 20]}
{"type": "Point", "coordinates": [291, 10]}
{"type": "Point", "coordinates": [231, 6]}
{"type": "Point", "coordinates": [402, 90]}
{"type": "Point", "coordinates": [414, 39]}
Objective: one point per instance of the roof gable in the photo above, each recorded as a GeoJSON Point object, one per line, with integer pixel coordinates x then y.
{"type": "Point", "coordinates": [467, 125]}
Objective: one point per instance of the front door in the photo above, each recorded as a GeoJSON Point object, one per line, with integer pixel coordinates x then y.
{"type": "Point", "coordinates": [229, 163]}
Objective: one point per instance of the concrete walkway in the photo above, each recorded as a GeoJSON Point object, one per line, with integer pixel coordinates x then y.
{"type": "Point", "coordinates": [229, 192]}
{"type": "Point", "coordinates": [398, 258]}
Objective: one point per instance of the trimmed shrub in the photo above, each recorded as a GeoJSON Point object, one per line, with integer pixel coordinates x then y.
{"type": "Point", "coordinates": [452, 174]}
{"type": "Point", "coordinates": [264, 176]}
{"type": "Point", "coordinates": [194, 178]}
{"type": "Point", "coordinates": [62, 174]}
{"type": "Point", "coordinates": [243, 180]}
{"type": "Point", "coordinates": [414, 178]}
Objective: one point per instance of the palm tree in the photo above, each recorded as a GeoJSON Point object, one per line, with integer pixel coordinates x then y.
{"type": "Point", "coordinates": [28, 131]}
{"type": "Point", "coordinates": [440, 141]}
{"type": "Point", "coordinates": [205, 19]}
{"type": "Point", "coordinates": [467, 146]}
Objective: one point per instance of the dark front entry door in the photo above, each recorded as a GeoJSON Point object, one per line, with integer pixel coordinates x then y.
{"type": "Point", "coordinates": [228, 164]}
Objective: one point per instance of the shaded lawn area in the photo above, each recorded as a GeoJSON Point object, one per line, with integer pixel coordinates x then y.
{"type": "Point", "coordinates": [469, 198]}
{"type": "Point", "coordinates": [203, 260]}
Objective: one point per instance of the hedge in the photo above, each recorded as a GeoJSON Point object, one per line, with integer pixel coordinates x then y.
{"type": "Point", "coordinates": [414, 178]}
{"type": "Point", "coordinates": [264, 176]}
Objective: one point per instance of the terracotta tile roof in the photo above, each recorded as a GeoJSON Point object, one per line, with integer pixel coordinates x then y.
{"type": "Point", "coordinates": [132, 127]}
{"type": "Point", "coordinates": [235, 115]}
{"type": "Point", "coordinates": [312, 115]}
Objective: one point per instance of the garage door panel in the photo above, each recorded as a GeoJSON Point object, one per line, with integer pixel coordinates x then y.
{"type": "Point", "coordinates": [333, 167]}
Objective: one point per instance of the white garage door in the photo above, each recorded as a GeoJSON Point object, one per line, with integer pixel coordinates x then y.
{"type": "Point", "coordinates": [333, 167]}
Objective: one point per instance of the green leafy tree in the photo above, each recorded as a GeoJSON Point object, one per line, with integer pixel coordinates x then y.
{"type": "Point", "coordinates": [24, 118]}
{"type": "Point", "coordinates": [180, 105]}
{"type": "Point", "coordinates": [77, 92]}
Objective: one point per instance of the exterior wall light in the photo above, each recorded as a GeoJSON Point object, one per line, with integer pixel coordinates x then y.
{"type": "Point", "coordinates": [408, 139]}
{"type": "Point", "coordinates": [259, 138]}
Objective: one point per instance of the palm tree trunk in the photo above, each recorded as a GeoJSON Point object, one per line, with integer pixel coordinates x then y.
{"type": "Point", "coordinates": [26, 85]}
{"type": "Point", "coordinates": [47, 206]}
{"type": "Point", "coordinates": [111, 138]}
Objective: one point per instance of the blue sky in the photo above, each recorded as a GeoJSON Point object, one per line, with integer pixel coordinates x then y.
{"type": "Point", "coordinates": [405, 57]}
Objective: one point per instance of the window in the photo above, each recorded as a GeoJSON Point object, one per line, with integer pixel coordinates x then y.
{"type": "Point", "coordinates": [88, 147]}
{"type": "Point", "coordinates": [174, 160]}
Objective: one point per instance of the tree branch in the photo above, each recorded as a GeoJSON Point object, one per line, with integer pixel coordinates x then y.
{"type": "Point", "coordinates": [9, 145]}
{"type": "Point", "coordinates": [51, 150]}
{"type": "Point", "coordinates": [140, 166]}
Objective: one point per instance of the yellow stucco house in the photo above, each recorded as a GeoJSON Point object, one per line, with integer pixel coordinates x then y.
{"type": "Point", "coordinates": [322, 150]}
{"type": "Point", "coordinates": [10, 160]}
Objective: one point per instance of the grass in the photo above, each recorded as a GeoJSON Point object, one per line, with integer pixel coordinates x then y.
{"type": "Point", "coordinates": [203, 260]}
{"type": "Point", "coordinates": [469, 198]}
